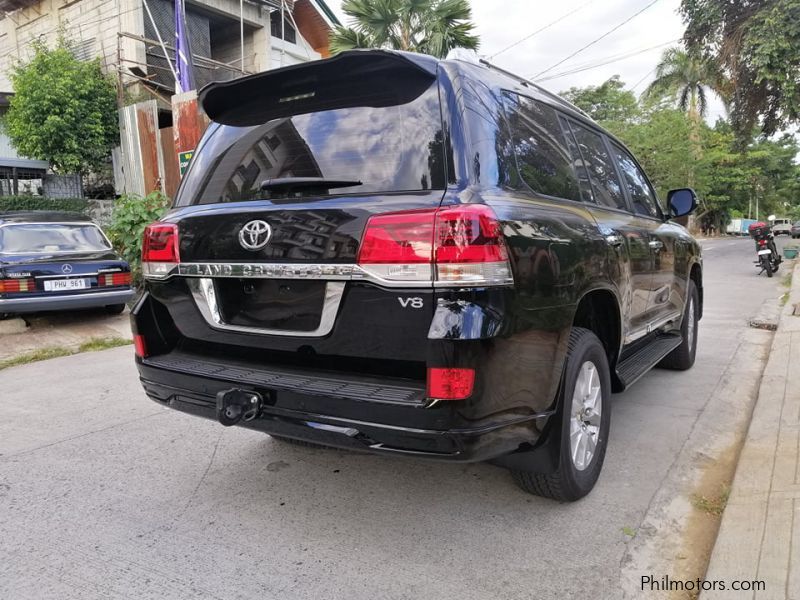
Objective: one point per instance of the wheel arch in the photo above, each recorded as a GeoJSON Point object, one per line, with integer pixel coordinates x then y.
{"type": "Point", "coordinates": [598, 310]}
{"type": "Point", "coordinates": [696, 275]}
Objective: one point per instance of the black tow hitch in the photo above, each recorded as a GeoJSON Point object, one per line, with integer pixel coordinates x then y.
{"type": "Point", "coordinates": [238, 405]}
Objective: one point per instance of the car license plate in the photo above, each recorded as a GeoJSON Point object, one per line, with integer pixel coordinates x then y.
{"type": "Point", "coordinates": [760, 252]}
{"type": "Point", "coordinates": [61, 285]}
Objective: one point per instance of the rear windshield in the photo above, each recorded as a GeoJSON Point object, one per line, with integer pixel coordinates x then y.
{"type": "Point", "coordinates": [373, 149]}
{"type": "Point", "coordinates": [46, 238]}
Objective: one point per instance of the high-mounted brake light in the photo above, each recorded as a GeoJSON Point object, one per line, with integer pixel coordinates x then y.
{"type": "Point", "coordinates": [160, 250]}
{"type": "Point", "coordinates": [450, 384]}
{"type": "Point", "coordinates": [453, 246]}
{"type": "Point", "coordinates": [14, 286]}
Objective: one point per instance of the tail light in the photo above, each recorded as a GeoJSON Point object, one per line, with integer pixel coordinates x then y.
{"type": "Point", "coordinates": [460, 245]}
{"type": "Point", "coordinates": [160, 250]}
{"type": "Point", "coordinates": [14, 286]}
{"type": "Point", "coordinates": [139, 346]}
{"type": "Point", "coordinates": [450, 384]}
{"type": "Point", "coordinates": [115, 279]}
{"type": "Point", "coordinates": [762, 242]}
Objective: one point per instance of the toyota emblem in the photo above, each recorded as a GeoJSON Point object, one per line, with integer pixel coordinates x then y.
{"type": "Point", "coordinates": [66, 269]}
{"type": "Point", "coordinates": [255, 235]}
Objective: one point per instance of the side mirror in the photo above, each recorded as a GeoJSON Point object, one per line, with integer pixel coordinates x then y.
{"type": "Point", "coordinates": [681, 202]}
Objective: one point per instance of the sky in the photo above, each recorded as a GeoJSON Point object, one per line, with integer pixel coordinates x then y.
{"type": "Point", "coordinates": [501, 23]}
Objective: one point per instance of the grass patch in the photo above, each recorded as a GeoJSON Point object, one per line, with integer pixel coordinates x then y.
{"type": "Point", "coordinates": [629, 531]}
{"type": "Point", "coordinates": [787, 279]}
{"type": "Point", "coordinates": [92, 345]}
{"type": "Point", "coordinates": [95, 344]}
{"type": "Point", "coordinates": [34, 356]}
{"type": "Point", "coordinates": [714, 505]}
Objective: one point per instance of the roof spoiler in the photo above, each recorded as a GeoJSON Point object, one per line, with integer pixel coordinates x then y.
{"type": "Point", "coordinates": [355, 78]}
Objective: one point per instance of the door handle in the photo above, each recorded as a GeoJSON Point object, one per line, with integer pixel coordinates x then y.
{"type": "Point", "coordinates": [614, 240]}
{"type": "Point", "coordinates": [656, 245]}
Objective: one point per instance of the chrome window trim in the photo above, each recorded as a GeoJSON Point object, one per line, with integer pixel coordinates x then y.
{"type": "Point", "coordinates": [205, 297]}
{"type": "Point", "coordinates": [314, 271]}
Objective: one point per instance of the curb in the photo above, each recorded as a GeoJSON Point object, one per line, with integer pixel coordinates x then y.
{"type": "Point", "coordinates": [755, 537]}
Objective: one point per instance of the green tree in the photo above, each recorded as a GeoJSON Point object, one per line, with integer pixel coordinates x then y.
{"type": "Point", "coordinates": [609, 103]}
{"type": "Point", "coordinates": [689, 78]}
{"type": "Point", "coordinates": [63, 110]}
{"type": "Point", "coordinates": [660, 141]}
{"type": "Point", "coordinates": [429, 26]}
{"type": "Point", "coordinates": [757, 44]}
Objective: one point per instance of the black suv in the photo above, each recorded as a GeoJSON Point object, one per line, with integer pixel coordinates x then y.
{"type": "Point", "coordinates": [418, 257]}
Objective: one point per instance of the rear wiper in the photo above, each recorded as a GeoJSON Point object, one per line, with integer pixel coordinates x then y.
{"type": "Point", "coordinates": [289, 184]}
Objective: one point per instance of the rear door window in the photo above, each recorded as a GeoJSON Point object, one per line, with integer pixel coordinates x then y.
{"type": "Point", "coordinates": [377, 149]}
{"type": "Point", "coordinates": [607, 188]}
{"type": "Point", "coordinates": [544, 162]}
{"type": "Point", "coordinates": [642, 196]}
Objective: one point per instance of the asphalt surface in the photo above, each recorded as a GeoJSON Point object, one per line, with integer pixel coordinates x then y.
{"type": "Point", "coordinates": [104, 494]}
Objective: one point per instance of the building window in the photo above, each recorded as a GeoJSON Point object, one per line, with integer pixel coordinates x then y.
{"type": "Point", "coordinates": [289, 33]}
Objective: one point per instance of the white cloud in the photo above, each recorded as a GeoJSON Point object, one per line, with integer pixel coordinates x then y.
{"type": "Point", "coordinates": [503, 22]}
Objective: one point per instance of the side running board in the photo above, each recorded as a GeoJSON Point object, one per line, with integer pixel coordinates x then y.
{"type": "Point", "coordinates": [646, 357]}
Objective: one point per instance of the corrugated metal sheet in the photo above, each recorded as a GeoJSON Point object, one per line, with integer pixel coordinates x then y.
{"type": "Point", "coordinates": [141, 159]}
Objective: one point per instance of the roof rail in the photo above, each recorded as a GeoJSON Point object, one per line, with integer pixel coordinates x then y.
{"type": "Point", "coordinates": [529, 83]}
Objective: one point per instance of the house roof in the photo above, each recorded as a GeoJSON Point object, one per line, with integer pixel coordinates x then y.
{"type": "Point", "coordinates": [327, 12]}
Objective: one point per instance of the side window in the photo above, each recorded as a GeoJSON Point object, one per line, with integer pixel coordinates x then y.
{"type": "Point", "coordinates": [584, 183]}
{"type": "Point", "coordinates": [642, 196]}
{"type": "Point", "coordinates": [605, 183]}
{"type": "Point", "coordinates": [542, 157]}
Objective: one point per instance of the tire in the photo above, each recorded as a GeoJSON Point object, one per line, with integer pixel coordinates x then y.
{"type": "Point", "coordinates": [682, 358]}
{"type": "Point", "coordinates": [572, 481]}
{"type": "Point", "coordinates": [115, 309]}
{"type": "Point", "coordinates": [768, 267]}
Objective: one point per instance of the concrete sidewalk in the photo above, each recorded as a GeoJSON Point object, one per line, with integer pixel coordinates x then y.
{"type": "Point", "coordinates": [759, 538]}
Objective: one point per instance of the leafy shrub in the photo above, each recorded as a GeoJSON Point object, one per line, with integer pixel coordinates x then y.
{"type": "Point", "coordinates": [78, 205]}
{"type": "Point", "coordinates": [131, 215]}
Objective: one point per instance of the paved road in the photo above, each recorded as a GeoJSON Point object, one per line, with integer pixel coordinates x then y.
{"type": "Point", "coordinates": [103, 494]}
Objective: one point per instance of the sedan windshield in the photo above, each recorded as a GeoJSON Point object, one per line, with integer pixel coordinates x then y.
{"type": "Point", "coordinates": [51, 238]}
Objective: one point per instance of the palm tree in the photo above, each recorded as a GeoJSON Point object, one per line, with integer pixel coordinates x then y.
{"type": "Point", "coordinates": [428, 26]}
{"type": "Point", "coordinates": [688, 77]}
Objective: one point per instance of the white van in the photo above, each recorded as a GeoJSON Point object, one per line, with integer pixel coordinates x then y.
{"type": "Point", "coordinates": [780, 226]}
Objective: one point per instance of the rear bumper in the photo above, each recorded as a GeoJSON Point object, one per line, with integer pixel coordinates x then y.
{"type": "Point", "coordinates": [65, 302]}
{"type": "Point", "coordinates": [401, 427]}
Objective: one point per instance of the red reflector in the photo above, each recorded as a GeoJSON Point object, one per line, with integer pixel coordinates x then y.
{"type": "Point", "coordinates": [139, 346]}
{"type": "Point", "coordinates": [468, 234]}
{"type": "Point", "coordinates": [160, 243]}
{"type": "Point", "coordinates": [405, 238]}
{"type": "Point", "coordinates": [13, 286]}
{"type": "Point", "coordinates": [450, 384]}
{"type": "Point", "coordinates": [762, 242]}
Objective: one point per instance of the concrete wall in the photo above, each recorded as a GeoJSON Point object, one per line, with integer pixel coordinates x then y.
{"type": "Point", "coordinates": [100, 211]}
{"type": "Point", "coordinates": [91, 24]}
{"type": "Point", "coordinates": [94, 26]}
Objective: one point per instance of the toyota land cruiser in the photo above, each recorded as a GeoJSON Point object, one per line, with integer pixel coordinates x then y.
{"type": "Point", "coordinates": [417, 257]}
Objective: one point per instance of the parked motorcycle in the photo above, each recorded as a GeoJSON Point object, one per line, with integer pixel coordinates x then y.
{"type": "Point", "coordinates": [768, 257]}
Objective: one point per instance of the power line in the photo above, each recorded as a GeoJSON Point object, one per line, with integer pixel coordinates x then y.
{"type": "Point", "coordinates": [605, 61]}
{"type": "Point", "coordinates": [541, 29]}
{"type": "Point", "coordinates": [638, 83]}
{"type": "Point", "coordinates": [593, 42]}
